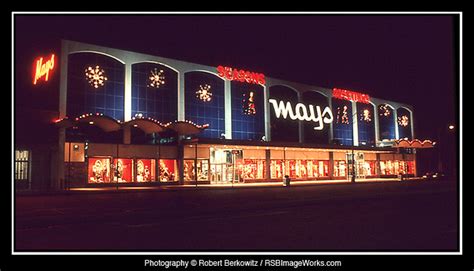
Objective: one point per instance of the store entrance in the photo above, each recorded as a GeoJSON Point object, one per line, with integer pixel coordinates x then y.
{"type": "Point", "coordinates": [224, 165]}
{"type": "Point", "coordinates": [356, 164]}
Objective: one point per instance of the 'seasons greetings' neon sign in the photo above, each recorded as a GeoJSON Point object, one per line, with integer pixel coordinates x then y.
{"type": "Point", "coordinates": [303, 112]}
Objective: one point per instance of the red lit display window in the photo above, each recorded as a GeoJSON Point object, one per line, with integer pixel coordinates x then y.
{"type": "Point", "coordinates": [146, 170]}
{"type": "Point", "coordinates": [252, 169]}
{"type": "Point", "coordinates": [276, 169]}
{"type": "Point", "coordinates": [123, 172]}
{"type": "Point", "coordinates": [98, 170]}
{"type": "Point", "coordinates": [168, 170]}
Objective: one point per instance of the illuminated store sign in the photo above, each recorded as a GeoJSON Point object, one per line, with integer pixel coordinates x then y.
{"type": "Point", "coordinates": [350, 95]}
{"type": "Point", "coordinates": [303, 112]}
{"type": "Point", "coordinates": [43, 68]}
{"type": "Point", "coordinates": [241, 75]}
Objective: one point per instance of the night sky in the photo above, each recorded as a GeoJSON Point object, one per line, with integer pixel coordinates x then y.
{"type": "Point", "coordinates": [408, 59]}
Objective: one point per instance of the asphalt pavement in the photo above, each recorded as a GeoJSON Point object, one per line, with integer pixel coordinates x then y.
{"type": "Point", "coordinates": [375, 217]}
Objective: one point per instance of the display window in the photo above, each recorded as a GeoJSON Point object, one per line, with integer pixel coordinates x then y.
{"type": "Point", "coordinates": [410, 167]}
{"type": "Point", "coordinates": [369, 168]}
{"type": "Point", "coordinates": [98, 170]}
{"type": "Point", "coordinates": [252, 169]}
{"type": "Point", "coordinates": [340, 168]}
{"type": "Point", "coordinates": [168, 170]}
{"type": "Point", "coordinates": [146, 170]}
{"type": "Point", "coordinates": [203, 170]}
{"type": "Point", "coordinates": [276, 169]}
{"type": "Point", "coordinates": [301, 169]}
{"type": "Point", "coordinates": [123, 170]}
{"type": "Point", "coordinates": [188, 172]}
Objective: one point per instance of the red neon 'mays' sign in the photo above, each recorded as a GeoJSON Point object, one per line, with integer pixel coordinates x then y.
{"type": "Point", "coordinates": [42, 68]}
{"type": "Point", "coordinates": [350, 95]}
{"type": "Point", "coordinates": [241, 75]}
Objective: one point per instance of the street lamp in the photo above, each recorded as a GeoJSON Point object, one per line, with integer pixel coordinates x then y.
{"type": "Point", "coordinates": [451, 127]}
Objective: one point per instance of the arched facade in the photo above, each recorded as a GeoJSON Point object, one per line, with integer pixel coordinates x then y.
{"type": "Point", "coordinates": [311, 135]}
{"type": "Point", "coordinates": [95, 84]}
{"type": "Point", "coordinates": [283, 129]}
{"type": "Point", "coordinates": [204, 102]}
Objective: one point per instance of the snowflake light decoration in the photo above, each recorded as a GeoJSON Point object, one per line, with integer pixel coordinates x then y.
{"type": "Point", "coordinates": [403, 121]}
{"type": "Point", "coordinates": [95, 76]}
{"type": "Point", "coordinates": [204, 93]}
{"type": "Point", "coordinates": [384, 110]}
{"type": "Point", "coordinates": [365, 116]}
{"type": "Point", "coordinates": [156, 78]}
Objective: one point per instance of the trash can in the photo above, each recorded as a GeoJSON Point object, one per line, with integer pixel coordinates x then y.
{"type": "Point", "coordinates": [287, 181]}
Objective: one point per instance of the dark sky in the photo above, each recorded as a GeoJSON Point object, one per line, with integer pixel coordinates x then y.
{"type": "Point", "coordinates": [408, 59]}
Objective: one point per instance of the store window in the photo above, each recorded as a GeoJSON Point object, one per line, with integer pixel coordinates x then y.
{"type": "Point", "coordinates": [203, 169]}
{"type": "Point", "coordinates": [247, 111]}
{"type": "Point", "coordinates": [98, 170]}
{"type": "Point", "coordinates": [123, 170]}
{"type": "Point", "coordinates": [340, 168]}
{"type": "Point", "coordinates": [252, 169]}
{"type": "Point", "coordinates": [22, 165]}
{"type": "Point", "coordinates": [342, 124]}
{"type": "Point", "coordinates": [276, 169]}
{"type": "Point", "coordinates": [146, 170]}
{"type": "Point", "coordinates": [317, 169]}
{"type": "Point", "coordinates": [154, 92]}
{"type": "Point", "coordinates": [204, 102]}
{"type": "Point", "coordinates": [168, 170]}
{"type": "Point", "coordinates": [188, 172]}
{"type": "Point", "coordinates": [88, 95]}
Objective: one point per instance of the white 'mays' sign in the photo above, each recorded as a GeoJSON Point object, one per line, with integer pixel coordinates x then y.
{"type": "Point", "coordinates": [301, 112]}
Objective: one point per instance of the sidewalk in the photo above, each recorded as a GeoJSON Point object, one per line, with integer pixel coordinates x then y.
{"type": "Point", "coordinates": [201, 186]}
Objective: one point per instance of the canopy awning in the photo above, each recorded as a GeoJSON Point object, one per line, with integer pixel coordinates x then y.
{"type": "Point", "coordinates": [106, 123]}
{"type": "Point", "coordinates": [416, 143]}
{"type": "Point", "coordinates": [186, 127]}
{"type": "Point", "coordinates": [148, 126]}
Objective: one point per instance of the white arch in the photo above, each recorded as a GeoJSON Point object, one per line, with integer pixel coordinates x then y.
{"type": "Point", "coordinates": [199, 70]}
{"type": "Point", "coordinates": [99, 53]}
{"type": "Point", "coordinates": [285, 85]}
{"type": "Point", "coordinates": [406, 108]}
{"type": "Point", "coordinates": [156, 62]}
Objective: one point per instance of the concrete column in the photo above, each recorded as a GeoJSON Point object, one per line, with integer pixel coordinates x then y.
{"type": "Point", "coordinates": [331, 165]}
{"type": "Point", "coordinates": [128, 92]}
{"type": "Point", "coordinates": [412, 126]}
{"type": "Point", "coordinates": [127, 135]}
{"type": "Point", "coordinates": [355, 130]}
{"type": "Point", "coordinates": [377, 164]}
{"type": "Point", "coordinates": [331, 126]}
{"type": "Point", "coordinates": [395, 119]}
{"type": "Point", "coordinates": [181, 113]}
{"type": "Point", "coordinates": [267, 165]}
{"type": "Point", "coordinates": [228, 109]}
{"type": "Point", "coordinates": [300, 123]}
{"type": "Point", "coordinates": [376, 125]}
{"type": "Point", "coordinates": [58, 181]}
{"type": "Point", "coordinates": [266, 108]}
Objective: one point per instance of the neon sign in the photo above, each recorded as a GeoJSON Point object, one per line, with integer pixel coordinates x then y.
{"type": "Point", "coordinates": [350, 95]}
{"type": "Point", "coordinates": [303, 113]}
{"type": "Point", "coordinates": [42, 69]}
{"type": "Point", "coordinates": [241, 75]}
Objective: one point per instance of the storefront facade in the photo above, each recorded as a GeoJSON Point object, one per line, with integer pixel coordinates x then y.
{"type": "Point", "coordinates": [117, 110]}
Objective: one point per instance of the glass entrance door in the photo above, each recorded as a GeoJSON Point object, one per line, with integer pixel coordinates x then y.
{"type": "Point", "coordinates": [223, 165]}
